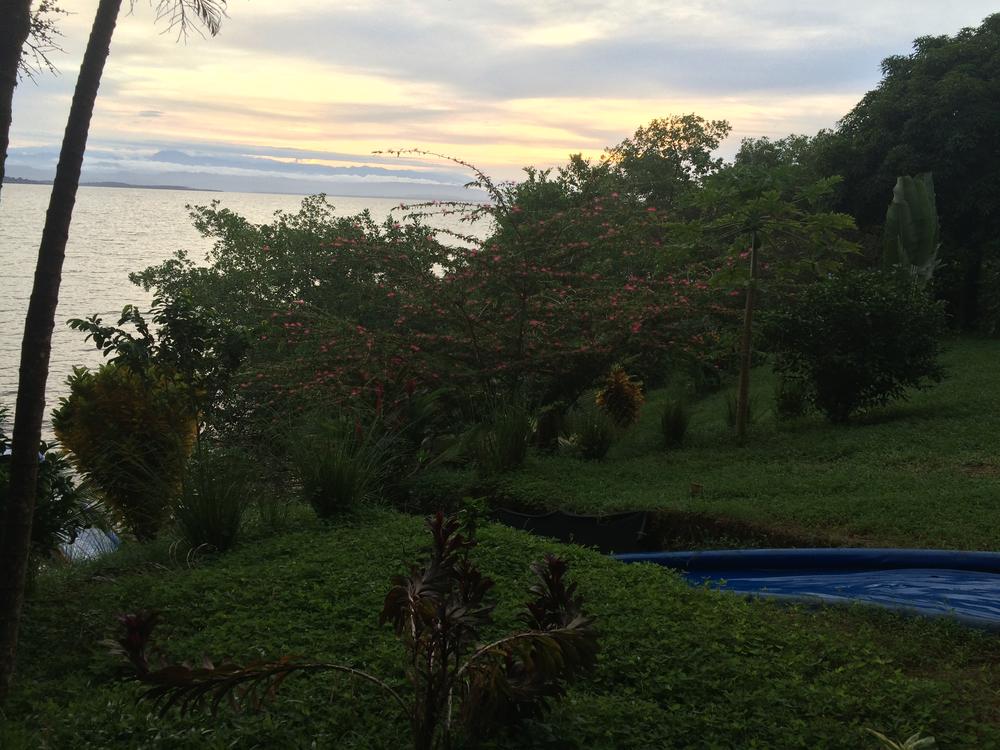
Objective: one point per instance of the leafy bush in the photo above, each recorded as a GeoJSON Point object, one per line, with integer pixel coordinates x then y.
{"type": "Point", "coordinates": [791, 397]}
{"type": "Point", "coordinates": [130, 433]}
{"type": "Point", "coordinates": [459, 688]}
{"type": "Point", "coordinates": [62, 507]}
{"type": "Point", "coordinates": [621, 397]}
{"type": "Point", "coordinates": [214, 496]}
{"type": "Point", "coordinates": [674, 423]}
{"type": "Point", "coordinates": [591, 433]}
{"type": "Point", "coordinates": [343, 310]}
{"type": "Point", "coordinates": [859, 340]}
{"type": "Point", "coordinates": [339, 464]}
{"type": "Point", "coordinates": [188, 341]}
{"type": "Point", "coordinates": [502, 443]}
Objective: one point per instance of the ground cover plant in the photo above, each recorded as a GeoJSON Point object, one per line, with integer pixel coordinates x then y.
{"type": "Point", "coordinates": [679, 667]}
{"type": "Point", "coordinates": [459, 687]}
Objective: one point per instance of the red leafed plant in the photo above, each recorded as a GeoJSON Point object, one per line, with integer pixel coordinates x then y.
{"type": "Point", "coordinates": [458, 687]}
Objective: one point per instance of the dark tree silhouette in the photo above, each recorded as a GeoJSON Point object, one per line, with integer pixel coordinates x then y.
{"type": "Point", "coordinates": [37, 342]}
{"type": "Point", "coordinates": [14, 30]}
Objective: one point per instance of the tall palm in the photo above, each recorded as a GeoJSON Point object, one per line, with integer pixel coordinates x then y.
{"type": "Point", "coordinates": [37, 342]}
{"type": "Point", "coordinates": [14, 30]}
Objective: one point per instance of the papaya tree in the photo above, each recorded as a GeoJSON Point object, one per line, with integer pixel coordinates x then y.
{"type": "Point", "coordinates": [781, 228]}
{"type": "Point", "coordinates": [912, 234]}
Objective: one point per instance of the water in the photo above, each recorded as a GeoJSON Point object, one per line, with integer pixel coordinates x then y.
{"type": "Point", "coordinates": [115, 231]}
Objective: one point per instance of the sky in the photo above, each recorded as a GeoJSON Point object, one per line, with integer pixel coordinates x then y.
{"type": "Point", "coordinates": [295, 96]}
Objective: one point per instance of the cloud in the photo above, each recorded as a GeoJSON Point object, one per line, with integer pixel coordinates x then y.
{"type": "Point", "coordinates": [500, 83]}
{"type": "Point", "coordinates": [266, 170]}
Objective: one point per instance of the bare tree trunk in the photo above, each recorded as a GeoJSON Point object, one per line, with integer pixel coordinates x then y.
{"type": "Point", "coordinates": [15, 24]}
{"type": "Point", "coordinates": [37, 341]}
{"type": "Point", "coordinates": [743, 393]}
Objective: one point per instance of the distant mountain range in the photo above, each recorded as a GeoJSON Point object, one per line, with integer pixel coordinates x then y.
{"type": "Point", "coordinates": [254, 170]}
{"type": "Point", "coordinates": [25, 181]}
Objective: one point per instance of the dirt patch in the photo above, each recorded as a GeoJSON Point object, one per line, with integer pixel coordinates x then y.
{"type": "Point", "coordinates": [685, 530]}
{"type": "Point", "coordinates": [981, 470]}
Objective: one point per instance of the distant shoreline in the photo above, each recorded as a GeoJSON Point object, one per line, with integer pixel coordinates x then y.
{"type": "Point", "coordinates": [24, 181]}
{"type": "Point", "coordinates": [402, 196]}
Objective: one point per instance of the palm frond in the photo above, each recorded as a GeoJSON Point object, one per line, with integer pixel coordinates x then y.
{"type": "Point", "coordinates": [183, 15]}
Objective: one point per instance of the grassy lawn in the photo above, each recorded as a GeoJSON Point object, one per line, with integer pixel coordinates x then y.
{"type": "Point", "coordinates": [679, 667]}
{"type": "Point", "coordinates": [921, 473]}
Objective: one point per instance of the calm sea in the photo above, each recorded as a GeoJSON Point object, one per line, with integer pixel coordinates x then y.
{"type": "Point", "coordinates": [115, 231]}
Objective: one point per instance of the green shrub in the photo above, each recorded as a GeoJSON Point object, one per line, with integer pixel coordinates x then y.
{"type": "Point", "coordinates": [214, 496]}
{"type": "Point", "coordinates": [590, 434]}
{"type": "Point", "coordinates": [860, 340]}
{"type": "Point", "coordinates": [62, 507]}
{"type": "Point", "coordinates": [130, 433]}
{"type": "Point", "coordinates": [502, 443]}
{"type": "Point", "coordinates": [791, 397]}
{"type": "Point", "coordinates": [674, 423]}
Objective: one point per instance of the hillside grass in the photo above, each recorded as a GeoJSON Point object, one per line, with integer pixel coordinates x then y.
{"type": "Point", "coordinates": [679, 668]}
{"type": "Point", "coordinates": [920, 473]}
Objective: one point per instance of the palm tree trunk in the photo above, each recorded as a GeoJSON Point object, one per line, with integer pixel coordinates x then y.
{"type": "Point", "coordinates": [37, 341]}
{"type": "Point", "coordinates": [16, 15]}
{"type": "Point", "coordinates": [743, 393]}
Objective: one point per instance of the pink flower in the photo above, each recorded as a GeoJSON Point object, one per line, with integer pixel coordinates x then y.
{"type": "Point", "coordinates": [636, 327]}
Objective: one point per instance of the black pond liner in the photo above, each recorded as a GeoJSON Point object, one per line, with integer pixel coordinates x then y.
{"type": "Point", "coordinates": [610, 533]}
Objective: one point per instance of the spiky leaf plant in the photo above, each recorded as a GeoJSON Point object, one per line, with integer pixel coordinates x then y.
{"type": "Point", "coordinates": [621, 397]}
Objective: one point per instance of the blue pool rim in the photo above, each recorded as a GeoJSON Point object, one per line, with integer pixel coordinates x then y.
{"type": "Point", "coordinates": [840, 559]}
{"type": "Point", "coordinates": [729, 570]}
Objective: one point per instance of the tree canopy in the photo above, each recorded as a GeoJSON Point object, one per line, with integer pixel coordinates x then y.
{"type": "Point", "coordinates": [936, 110]}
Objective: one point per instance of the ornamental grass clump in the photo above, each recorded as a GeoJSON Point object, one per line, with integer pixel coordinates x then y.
{"type": "Point", "coordinates": [731, 406]}
{"type": "Point", "coordinates": [674, 423]}
{"type": "Point", "coordinates": [339, 464]}
{"type": "Point", "coordinates": [502, 443]}
{"type": "Point", "coordinates": [620, 397]}
{"type": "Point", "coordinates": [457, 688]}
{"type": "Point", "coordinates": [791, 397]}
{"type": "Point", "coordinates": [590, 434]}
{"type": "Point", "coordinates": [215, 493]}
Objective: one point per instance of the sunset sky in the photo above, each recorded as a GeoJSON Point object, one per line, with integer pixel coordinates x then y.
{"type": "Point", "coordinates": [294, 94]}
